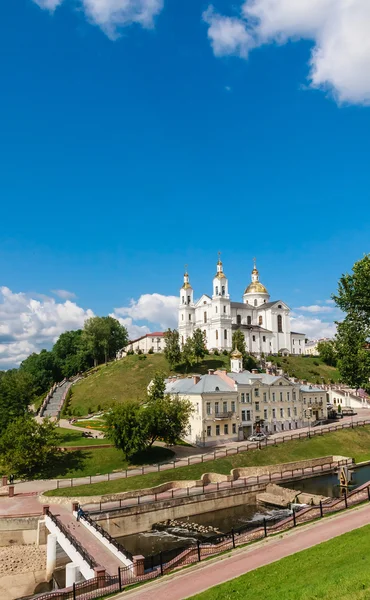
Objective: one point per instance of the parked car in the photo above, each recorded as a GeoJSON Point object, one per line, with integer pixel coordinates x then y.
{"type": "Point", "coordinates": [257, 437]}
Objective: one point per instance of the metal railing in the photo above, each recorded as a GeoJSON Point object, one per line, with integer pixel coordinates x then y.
{"type": "Point", "coordinates": [71, 538]}
{"type": "Point", "coordinates": [106, 535]}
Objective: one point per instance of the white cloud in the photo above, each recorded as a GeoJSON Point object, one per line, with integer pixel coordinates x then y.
{"type": "Point", "coordinates": [154, 308]}
{"type": "Point", "coordinates": [315, 308]}
{"type": "Point", "coordinates": [27, 324]}
{"type": "Point", "coordinates": [312, 327]}
{"type": "Point", "coordinates": [134, 331]}
{"type": "Point", "coordinates": [329, 301]}
{"type": "Point", "coordinates": [64, 294]}
{"type": "Point", "coordinates": [112, 15]}
{"type": "Point", "coordinates": [340, 58]}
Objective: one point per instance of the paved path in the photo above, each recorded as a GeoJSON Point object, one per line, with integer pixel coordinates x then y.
{"type": "Point", "coordinates": [197, 579]}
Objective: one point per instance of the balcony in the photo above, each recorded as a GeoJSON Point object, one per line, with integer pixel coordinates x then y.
{"type": "Point", "coordinates": [224, 415]}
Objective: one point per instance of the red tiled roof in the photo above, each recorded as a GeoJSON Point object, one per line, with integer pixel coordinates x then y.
{"type": "Point", "coordinates": [156, 333]}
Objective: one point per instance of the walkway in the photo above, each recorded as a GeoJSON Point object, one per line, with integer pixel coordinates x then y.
{"type": "Point", "coordinates": [203, 576]}
{"type": "Point", "coordinates": [53, 406]}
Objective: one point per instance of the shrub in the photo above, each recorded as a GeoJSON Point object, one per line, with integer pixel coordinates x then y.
{"type": "Point", "coordinates": [225, 353]}
{"type": "Point", "coordinates": [142, 356]}
{"type": "Point", "coordinates": [150, 351]}
{"type": "Point", "coordinates": [216, 352]}
{"type": "Point", "coordinates": [139, 351]}
{"type": "Point", "coordinates": [130, 352]}
{"type": "Point", "coordinates": [316, 362]}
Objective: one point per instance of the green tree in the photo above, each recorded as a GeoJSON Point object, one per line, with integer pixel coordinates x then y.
{"type": "Point", "coordinates": [177, 414]}
{"type": "Point", "coordinates": [126, 427]}
{"type": "Point", "coordinates": [187, 354]}
{"type": "Point", "coordinates": [353, 357]}
{"type": "Point", "coordinates": [44, 369]}
{"type": "Point", "coordinates": [172, 347]}
{"type": "Point", "coordinates": [353, 295]}
{"type": "Point", "coordinates": [72, 353]}
{"type": "Point", "coordinates": [238, 343]}
{"type": "Point", "coordinates": [28, 447]}
{"type": "Point", "coordinates": [103, 337]}
{"type": "Point", "coordinates": [327, 352]}
{"type": "Point", "coordinates": [199, 344]}
{"type": "Point", "coordinates": [17, 391]}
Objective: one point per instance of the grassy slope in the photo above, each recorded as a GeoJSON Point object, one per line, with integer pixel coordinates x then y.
{"type": "Point", "coordinates": [304, 368]}
{"type": "Point", "coordinates": [81, 463]}
{"type": "Point", "coordinates": [339, 568]}
{"type": "Point", "coordinates": [127, 379]}
{"type": "Point", "coordinates": [348, 442]}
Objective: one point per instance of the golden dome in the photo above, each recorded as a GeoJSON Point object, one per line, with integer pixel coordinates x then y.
{"type": "Point", "coordinates": [220, 275]}
{"type": "Point", "coordinates": [256, 288]}
{"type": "Point", "coordinates": [186, 286]}
{"type": "Point", "coordinates": [236, 354]}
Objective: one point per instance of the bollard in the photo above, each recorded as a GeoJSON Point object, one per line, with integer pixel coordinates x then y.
{"type": "Point", "coordinates": [100, 576]}
{"type": "Point", "coordinates": [5, 480]}
{"type": "Point", "coordinates": [45, 509]}
{"type": "Point", "coordinates": [265, 526]}
{"type": "Point", "coordinates": [198, 548]}
{"type": "Point", "coordinates": [11, 491]}
{"type": "Point", "coordinates": [321, 510]}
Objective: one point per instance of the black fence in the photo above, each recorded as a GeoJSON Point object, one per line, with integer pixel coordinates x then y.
{"type": "Point", "coordinates": [105, 534]}
{"type": "Point", "coordinates": [209, 456]}
{"type": "Point", "coordinates": [71, 538]}
{"type": "Point", "coordinates": [164, 562]}
{"type": "Point", "coordinates": [210, 488]}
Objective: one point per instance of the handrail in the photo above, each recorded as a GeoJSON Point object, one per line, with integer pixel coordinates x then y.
{"type": "Point", "coordinates": [75, 543]}
{"type": "Point", "coordinates": [84, 515]}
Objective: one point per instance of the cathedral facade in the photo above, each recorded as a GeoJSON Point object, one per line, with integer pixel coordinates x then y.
{"type": "Point", "coordinates": [264, 323]}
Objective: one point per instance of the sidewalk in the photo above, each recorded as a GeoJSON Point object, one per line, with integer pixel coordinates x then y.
{"type": "Point", "coordinates": [205, 575]}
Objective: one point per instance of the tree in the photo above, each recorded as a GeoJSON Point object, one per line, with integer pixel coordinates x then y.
{"type": "Point", "coordinates": [199, 344]}
{"type": "Point", "coordinates": [103, 337]}
{"type": "Point", "coordinates": [72, 353]}
{"type": "Point", "coordinates": [177, 413]}
{"type": "Point", "coordinates": [44, 368]}
{"type": "Point", "coordinates": [353, 295]}
{"type": "Point", "coordinates": [327, 352]}
{"type": "Point", "coordinates": [187, 355]}
{"type": "Point", "coordinates": [353, 357]}
{"type": "Point", "coordinates": [172, 347]}
{"type": "Point", "coordinates": [238, 342]}
{"type": "Point", "coordinates": [27, 447]}
{"type": "Point", "coordinates": [126, 427]}
{"type": "Point", "coordinates": [17, 391]}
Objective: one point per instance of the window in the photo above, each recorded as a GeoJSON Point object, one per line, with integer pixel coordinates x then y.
{"type": "Point", "coordinates": [183, 299]}
{"type": "Point", "coordinates": [248, 398]}
{"type": "Point", "coordinates": [216, 408]}
{"type": "Point", "coordinates": [208, 408]}
{"type": "Point", "coordinates": [274, 427]}
{"type": "Point", "coordinates": [254, 338]}
{"type": "Point", "coordinates": [256, 392]}
{"type": "Point", "coordinates": [279, 306]}
{"type": "Point", "coordinates": [295, 411]}
{"type": "Point", "coordinates": [260, 320]}
{"type": "Point", "coordinates": [216, 334]}
{"type": "Point", "coordinates": [197, 407]}
{"type": "Point", "coordinates": [273, 396]}
{"type": "Point", "coordinates": [216, 290]}
{"type": "Point", "coordinates": [182, 340]}
{"type": "Point", "coordinates": [289, 412]}
{"type": "Point", "coordinates": [209, 430]}
{"type": "Point", "coordinates": [265, 413]}
{"type": "Point", "coordinates": [282, 412]}
{"type": "Point", "coordinates": [234, 427]}
{"type": "Point", "coordinates": [274, 413]}
{"type": "Point", "coordinates": [224, 407]}
{"type": "Point", "coordinates": [290, 425]}
{"type": "Point", "coordinates": [294, 396]}
{"type": "Point", "coordinates": [304, 401]}
{"type": "Point", "coordinates": [244, 413]}
{"type": "Point", "coordinates": [205, 317]}
{"type": "Point", "coordinates": [152, 340]}
{"type": "Point", "coordinates": [182, 317]}
{"type": "Point", "coordinates": [288, 396]}
{"type": "Point", "coordinates": [188, 299]}
{"type": "Point", "coordinates": [281, 396]}
{"type": "Point", "coordinates": [238, 320]}
{"type": "Point", "coordinates": [299, 342]}
{"type": "Point", "coordinates": [216, 309]}
{"type": "Point", "coordinates": [223, 290]}
{"type": "Point", "coordinates": [189, 317]}
{"type": "Point", "coordinates": [293, 342]}
{"type": "Point", "coordinates": [264, 338]}
{"type": "Point", "coordinates": [248, 415]}
{"type": "Point", "coordinates": [257, 406]}
{"type": "Point", "coordinates": [233, 406]}
{"type": "Point", "coordinates": [280, 323]}
{"type": "Point", "coordinates": [217, 430]}
{"type": "Point", "coordinates": [249, 320]}
{"type": "Point", "coordinates": [264, 396]}
{"type": "Point", "coordinates": [242, 398]}
{"type": "Point", "coordinates": [224, 309]}
{"type": "Point", "coordinates": [225, 334]}
{"type": "Point", "coordinates": [255, 303]}
{"type": "Point", "coordinates": [282, 427]}
{"type": "Point", "coordinates": [226, 429]}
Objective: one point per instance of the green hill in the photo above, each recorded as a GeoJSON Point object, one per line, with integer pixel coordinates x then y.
{"type": "Point", "coordinates": [126, 379]}
{"type": "Point", "coordinates": [306, 367]}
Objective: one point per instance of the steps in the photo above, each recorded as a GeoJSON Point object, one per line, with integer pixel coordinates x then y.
{"type": "Point", "coordinates": [53, 406]}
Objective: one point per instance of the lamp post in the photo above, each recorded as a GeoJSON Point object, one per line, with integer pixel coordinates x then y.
{"type": "Point", "coordinates": [309, 410]}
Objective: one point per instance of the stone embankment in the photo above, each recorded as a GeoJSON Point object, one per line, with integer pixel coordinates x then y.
{"type": "Point", "coordinates": [284, 497]}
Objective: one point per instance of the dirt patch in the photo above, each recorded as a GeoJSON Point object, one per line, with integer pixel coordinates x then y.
{"type": "Point", "coordinates": [22, 559]}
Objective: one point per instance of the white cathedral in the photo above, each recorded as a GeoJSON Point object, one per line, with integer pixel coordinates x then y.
{"type": "Point", "coordinates": [265, 324]}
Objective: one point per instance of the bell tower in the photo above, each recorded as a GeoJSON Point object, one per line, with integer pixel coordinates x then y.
{"type": "Point", "coordinates": [186, 310]}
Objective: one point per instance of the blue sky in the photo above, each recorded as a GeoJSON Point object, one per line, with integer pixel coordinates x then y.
{"type": "Point", "coordinates": [138, 139]}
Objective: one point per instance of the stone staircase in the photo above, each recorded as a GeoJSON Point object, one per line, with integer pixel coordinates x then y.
{"type": "Point", "coordinates": [54, 402]}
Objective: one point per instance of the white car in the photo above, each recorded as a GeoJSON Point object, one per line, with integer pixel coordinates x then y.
{"type": "Point", "coordinates": [257, 437]}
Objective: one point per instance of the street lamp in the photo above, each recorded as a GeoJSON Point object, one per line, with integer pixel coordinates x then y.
{"type": "Point", "coordinates": [309, 410]}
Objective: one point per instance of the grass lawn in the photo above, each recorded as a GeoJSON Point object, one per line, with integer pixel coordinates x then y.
{"type": "Point", "coordinates": [68, 437]}
{"type": "Point", "coordinates": [339, 568]}
{"type": "Point", "coordinates": [127, 379]}
{"type": "Point", "coordinates": [305, 368]}
{"type": "Point", "coordinates": [348, 442]}
{"type": "Point", "coordinates": [81, 463]}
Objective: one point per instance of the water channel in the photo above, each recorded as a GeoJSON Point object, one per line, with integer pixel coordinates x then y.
{"type": "Point", "coordinates": [170, 538]}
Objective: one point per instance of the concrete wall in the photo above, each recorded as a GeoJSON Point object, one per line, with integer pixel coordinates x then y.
{"type": "Point", "coordinates": [19, 530]}
{"type": "Point", "coordinates": [137, 519]}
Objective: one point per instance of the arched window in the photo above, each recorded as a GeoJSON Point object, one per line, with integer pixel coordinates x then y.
{"type": "Point", "coordinates": [183, 299]}
{"type": "Point", "coordinates": [182, 340]}
{"type": "Point", "coordinates": [259, 320]}
{"type": "Point", "coordinates": [280, 323]}
{"type": "Point", "coordinates": [255, 303]}
{"type": "Point", "coordinates": [223, 290]}
{"type": "Point", "coordinates": [238, 320]}
{"type": "Point", "coordinates": [216, 291]}
{"type": "Point", "coordinates": [216, 334]}
{"type": "Point", "coordinates": [249, 320]}
{"type": "Point", "coordinates": [225, 334]}
{"type": "Point", "coordinates": [188, 299]}
{"type": "Point", "coordinates": [205, 317]}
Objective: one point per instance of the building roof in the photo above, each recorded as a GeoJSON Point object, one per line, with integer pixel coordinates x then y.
{"type": "Point", "coordinates": [295, 333]}
{"type": "Point", "coordinates": [240, 305]}
{"type": "Point", "coordinates": [207, 384]}
{"type": "Point", "coordinates": [155, 334]}
{"type": "Point", "coordinates": [311, 388]}
{"type": "Point", "coordinates": [257, 328]}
